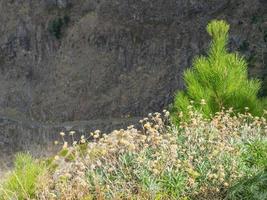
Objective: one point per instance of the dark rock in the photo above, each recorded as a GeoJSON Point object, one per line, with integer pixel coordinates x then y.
{"type": "Point", "coordinates": [114, 58]}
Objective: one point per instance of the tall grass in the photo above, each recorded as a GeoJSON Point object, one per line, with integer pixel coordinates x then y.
{"type": "Point", "coordinates": [22, 182]}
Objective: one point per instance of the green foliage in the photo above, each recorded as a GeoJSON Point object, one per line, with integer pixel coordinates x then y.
{"type": "Point", "coordinates": [55, 26]}
{"type": "Point", "coordinates": [22, 181]}
{"type": "Point", "coordinates": [63, 152]}
{"type": "Point", "coordinates": [254, 188]}
{"type": "Point", "coordinates": [221, 79]}
{"type": "Point", "coordinates": [255, 153]}
{"type": "Point", "coordinates": [173, 183]}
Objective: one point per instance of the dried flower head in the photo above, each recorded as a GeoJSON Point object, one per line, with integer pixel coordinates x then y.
{"type": "Point", "coordinates": [62, 133]}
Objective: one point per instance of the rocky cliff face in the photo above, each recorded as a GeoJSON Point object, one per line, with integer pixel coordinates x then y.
{"type": "Point", "coordinates": [66, 60]}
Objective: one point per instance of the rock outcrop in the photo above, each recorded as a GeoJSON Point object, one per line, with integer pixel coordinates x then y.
{"type": "Point", "coordinates": [66, 60]}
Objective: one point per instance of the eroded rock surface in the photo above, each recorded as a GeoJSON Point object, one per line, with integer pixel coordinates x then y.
{"type": "Point", "coordinates": [64, 60]}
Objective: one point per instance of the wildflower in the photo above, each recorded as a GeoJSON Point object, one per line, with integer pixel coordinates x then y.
{"type": "Point", "coordinates": [147, 125]}
{"type": "Point", "coordinates": [220, 166]}
{"type": "Point", "coordinates": [68, 175]}
{"type": "Point", "coordinates": [92, 167]}
{"type": "Point", "coordinates": [246, 108]}
{"type": "Point", "coordinates": [167, 114]}
{"type": "Point", "coordinates": [181, 114]}
{"type": "Point", "coordinates": [222, 174]}
{"type": "Point", "coordinates": [203, 102]}
{"type": "Point", "coordinates": [140, 159]}
{"type": "Point", "coordinates": [83, 141]}
{"type": "Point", "coordinates": [72, 132]}
{"type": "Point", "coordinates": [62, 133]}
{"type": "Point", "coordinates": [98, 163]}
{"type": "Point", "coordinates": [156, 126]}
{"type": "Point", "coordinates": [155, 171]}
{"type": "Point", "coordinates": [124, 142]}
{"type": "Point", "coordinates": [231, 110]}
{"type": "Point", "coordinates": [225, 184]}
{"type": "Point", "coordinates": [131, 147]}
{"type": "Point", "coordinates": [56, 158]}
{"type": "Point", "coordinates": [191, 157]}
{"type": "Point", "coordinates": [215, 152]}
{"type": "Point", "coordinates": [143, 138]}
{"type": "Point", "coordinates": [191, 181]}
{"type": "Point", "coordinates": [130, 127]}
{"type": "Point", "coordinates": [174, 147]}
{"type": "Point", "coordinates": [111, 169]}
{"type": "Point", "coordinates": [96, 136]}
{"type": "Point", "coordinates": [210, 176]}
{"type": "Point", "coordinates": [65, 145]}
{"type": "Point", "coordinates": [56, 142]}
{"type": "Point", "coordinates": [157, 114]}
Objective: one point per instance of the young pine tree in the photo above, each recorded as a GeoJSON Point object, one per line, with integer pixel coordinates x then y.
{"type": "Point", "coordinates": [221, 79]}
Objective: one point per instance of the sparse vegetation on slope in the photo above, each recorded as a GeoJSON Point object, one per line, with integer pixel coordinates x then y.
{"type": "Point", "coordinates": [218, 158]}
{"type": "Point", "coordinates": [218, 152]}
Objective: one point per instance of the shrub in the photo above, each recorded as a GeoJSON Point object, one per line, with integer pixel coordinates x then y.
{"type": "Point", "coordinates": [254, 188]}
{"type": "Point", "coordinates": [255, 153]}
{"type": "Point", "coordinates": [55, 26]}
{"type": "Point", "coordinates": [219, 80]}
{"type": "Point", "coordinates": [23, 180]}
{"type": "Point", "coordinates": [199, 159]}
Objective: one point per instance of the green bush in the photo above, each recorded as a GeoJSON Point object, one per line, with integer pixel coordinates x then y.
{"type": "Point", "coordinates": [173, 183]}
{"type": "Point", "coordinates": [55, 26]}
{"type": "Point", "coordinates": [255, 153]}
{"type": "Point", "coordinates": [254, 188]}
{"type": "Point", "coordinates": [221, 79]}
{"type": "Point", "coordinates": [22, 181]}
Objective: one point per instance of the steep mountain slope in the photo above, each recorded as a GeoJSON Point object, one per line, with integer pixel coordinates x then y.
{"type": "Point", "coordinates": [66, 60]}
